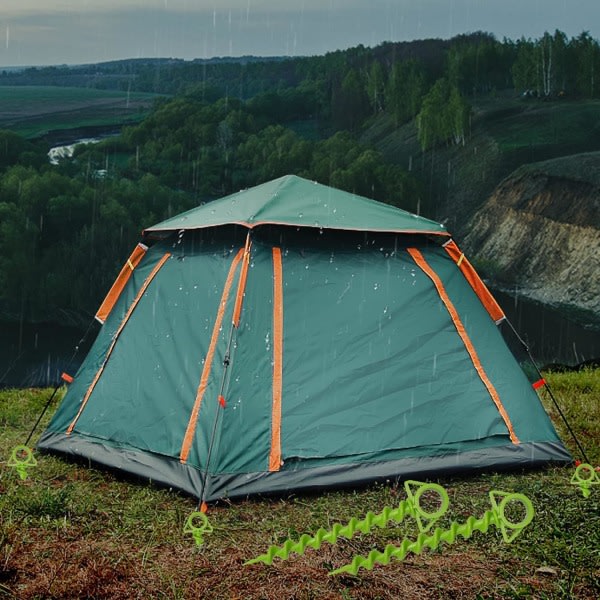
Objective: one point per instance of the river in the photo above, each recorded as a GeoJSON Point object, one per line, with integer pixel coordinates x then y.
{"type": "Point", "coordinates": [36, 355]}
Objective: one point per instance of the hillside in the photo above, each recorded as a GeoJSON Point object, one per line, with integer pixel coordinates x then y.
{"type": "Point", "coordinates": [34, 111]}
{"type": "Point", "coordinates": [540, 231]}
{"type": "Point", "coordinates": [506, 132]}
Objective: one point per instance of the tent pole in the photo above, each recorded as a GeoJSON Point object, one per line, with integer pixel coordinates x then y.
{"type": "Point", "coordinates": [81, 341]}
{"type": "Point", "coordinates": [226, 362]}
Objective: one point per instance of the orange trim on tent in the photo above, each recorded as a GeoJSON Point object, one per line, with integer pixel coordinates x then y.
{"type": "Point", "coordinates": [128, 314]}
{"type": "Point", "coordinates": [237, 311]}
{"type": "Point", "coordinates": [275, 453]}
{"type": "Point", "coordinates": [251, 226]}
{"type": "Point", "coordinates": [191, 428]}
{"type": "Point", "coordinates": [475, 281]}
{"type": "Point", "coordinates": [437, 282]}
{"type": "Point", "coordinates": [122, 278]}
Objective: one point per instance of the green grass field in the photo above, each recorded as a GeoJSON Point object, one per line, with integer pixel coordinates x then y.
{"type": "Point", "coordinates": [69, 531]}
{"type": "Point", "coordinates": [32, 111]}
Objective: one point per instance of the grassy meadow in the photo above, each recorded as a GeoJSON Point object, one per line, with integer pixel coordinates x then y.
{"type": "Point", "coordinates": [69, 531]}
{"type": "Point", "coordinates": [33, 111]}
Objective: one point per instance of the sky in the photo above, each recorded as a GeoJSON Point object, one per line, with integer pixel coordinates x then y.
{"type": "Point", "coordinates": [55, 32]}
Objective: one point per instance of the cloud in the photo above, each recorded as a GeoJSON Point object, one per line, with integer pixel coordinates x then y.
{"type": "Point", "coordinates": [75, 31]}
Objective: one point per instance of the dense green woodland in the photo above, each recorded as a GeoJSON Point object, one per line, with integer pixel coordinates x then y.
{"type": "Point", "coordinates": [65, 230]}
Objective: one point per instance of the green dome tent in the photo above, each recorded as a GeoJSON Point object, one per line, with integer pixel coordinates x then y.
{"type": "Point", "coordinates": [296, 337]}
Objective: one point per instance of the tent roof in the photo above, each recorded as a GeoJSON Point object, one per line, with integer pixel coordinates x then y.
{"type": "Point", "coordinates": [291, 200]}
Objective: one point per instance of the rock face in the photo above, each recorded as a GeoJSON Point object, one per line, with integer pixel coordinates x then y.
{"type": "Point", "coordinates": [540, 230]}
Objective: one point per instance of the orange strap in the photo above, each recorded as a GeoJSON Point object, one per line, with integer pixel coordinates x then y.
{"type": "Point", "coordinates": [237, 311]}
{"type": "Point", "coordinates": [437, 282]}
{"type": "Point", "coordinates": [191, 428]}
{"type": "Point", "coordinates": [137, 298]}
{"type": "Point", "coordinates": [120, 282]}
{"type": "Point", "coordinates": [475, 281]}
{"type": "Point", "coordinates": [275, 454]}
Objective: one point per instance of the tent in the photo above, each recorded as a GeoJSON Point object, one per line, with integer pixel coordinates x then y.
{"type": "Point", "coordinates": [296, 337]}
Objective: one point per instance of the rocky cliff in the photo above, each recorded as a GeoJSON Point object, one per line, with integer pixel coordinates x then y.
{"type": "Point", "coordinates": [540, 231]}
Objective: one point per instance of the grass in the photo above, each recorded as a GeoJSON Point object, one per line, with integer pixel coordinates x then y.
{"type": "Point", "coordinates": [539, 123]}
{"type": "Point", "coordinates": [33, 111]}
{"type": "Point", "coordinates": [74, 532]}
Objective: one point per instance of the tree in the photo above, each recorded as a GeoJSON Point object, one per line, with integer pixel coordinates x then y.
{"type": "Point", "coordinates": [524, 69]}
{"type": "Point", "coordinates": [587, 61]}
{"type": "Point", "coordinates": [349, 102]}
{"type": "Point", "coordinates": [405, 90]}
{"type": "Point", "coordinates": [376, 86]}
{"type": "Point", "coordinates": [443, 116]}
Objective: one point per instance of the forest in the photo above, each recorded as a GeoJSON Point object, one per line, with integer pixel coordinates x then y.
{"type": "Point", "coordinates": [224, 125]}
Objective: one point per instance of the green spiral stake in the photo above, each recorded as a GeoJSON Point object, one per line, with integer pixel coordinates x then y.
{"type": "Point", "coordinates": [21, 458]}
{"type": "Point", "coordinates": [585, 477]}
{"type": "Point", "coordinates": [197, 524]}
{"type": "Point", "coordinates": [407, 508]}
{"type": "Point", "coordinates": [496, 517]}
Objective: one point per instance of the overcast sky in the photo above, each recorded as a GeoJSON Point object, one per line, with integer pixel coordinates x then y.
{"type": "Point", "coordinates": [41, 32]}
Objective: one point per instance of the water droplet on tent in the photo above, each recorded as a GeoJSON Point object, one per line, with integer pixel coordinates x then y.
{"type": "Point", "coordinates": [300, 215]}
{"type": "Point", "coordinates": [212, 212]}
{"type": "Point", "coordinates": [334, 211]}
{"type": "Point", "coordinates": [196, 286]}
{"type": "Point", "coordinates": [385, 309]}
{"type": "Point", "coordinates": [375, 286]}
{"type": "Point", "coordinates": [180, 288]}
{"type": "Point", "coordinates": [306, 266]}
{"type": "Point", "coordinates": [358, 247]}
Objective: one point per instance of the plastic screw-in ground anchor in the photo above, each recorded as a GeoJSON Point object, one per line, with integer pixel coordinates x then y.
{"type": "Point", "coordinates": [585, 477]}
{"type": "Point", "coordinates": [197, 524]}
{"type": "Point", "coordinates": [410, 507]}
{"type": "Point", "coordinates": [21, 459]}
{"type": "Point", "coordinates": [421, 514]}
{"type": "Point", "coordinates": [496, 517]}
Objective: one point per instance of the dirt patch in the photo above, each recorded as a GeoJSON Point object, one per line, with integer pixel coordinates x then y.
{"type": "Point", "coordinates": [43, 566]}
